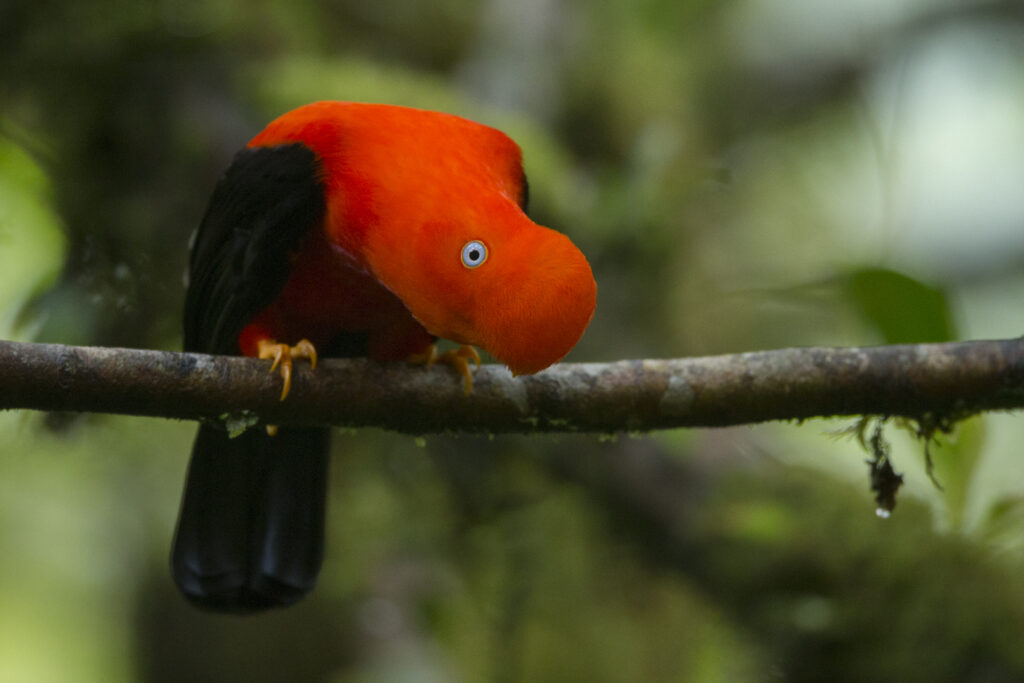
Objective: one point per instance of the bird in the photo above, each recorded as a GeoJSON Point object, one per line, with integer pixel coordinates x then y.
{"type": "Point", "coordinates": [348, 229]}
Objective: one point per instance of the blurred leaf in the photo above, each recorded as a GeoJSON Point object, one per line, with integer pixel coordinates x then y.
{"type": "Point", "coordinates": [955, 457]}
{"type": "Point", "coordinates": [1004, 523]}
{"type": "Point", "coordinates": [32, 244]}
{"type": "Point", "coordinates": [902, 309]}
{"type": "Point", "coordinates": [757, 521]}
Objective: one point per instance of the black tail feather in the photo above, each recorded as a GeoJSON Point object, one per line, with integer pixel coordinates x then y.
{"type": "Point", "coordinates": [250, 532]}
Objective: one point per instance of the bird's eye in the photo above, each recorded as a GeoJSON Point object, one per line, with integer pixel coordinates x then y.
{"type": "Point", "coordinates": [474, 253]}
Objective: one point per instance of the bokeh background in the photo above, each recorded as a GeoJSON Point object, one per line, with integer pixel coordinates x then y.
{"type": "Point", "coordinates": [742, 174]}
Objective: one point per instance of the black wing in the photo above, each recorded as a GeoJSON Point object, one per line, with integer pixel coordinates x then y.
{"type": "Point", "coordinates": [269, 199]}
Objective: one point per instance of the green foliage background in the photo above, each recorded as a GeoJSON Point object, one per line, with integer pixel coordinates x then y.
{"type": "Point", "coordinates": [743, 174]}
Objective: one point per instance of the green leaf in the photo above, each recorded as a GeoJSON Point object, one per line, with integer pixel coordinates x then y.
{"type": "Point", "coordinates": [1003, 524]}
{"type": "Point", "coordinates": [902, 309]}
{"type": "Point", "coordinates": [956, 457]}
{"type": "Point", "coordinates": [32, 243]}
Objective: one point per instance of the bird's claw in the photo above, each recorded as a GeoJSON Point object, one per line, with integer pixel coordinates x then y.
{"type": "Point", "coordinates": [282, 354]}
{"type": "Point", "coordinates": [457, 358]}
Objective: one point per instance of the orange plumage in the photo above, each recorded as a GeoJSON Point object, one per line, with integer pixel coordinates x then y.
{"type": "Point", "coordinates": [406, 190]}
{"type": "Point", "coordinates": [352, 229]}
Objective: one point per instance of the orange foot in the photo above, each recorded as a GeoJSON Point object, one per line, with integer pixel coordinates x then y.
{"type": "Point", "coordinates": [457, 358]}
{"type": "Point", "coordinates": [283, 354]}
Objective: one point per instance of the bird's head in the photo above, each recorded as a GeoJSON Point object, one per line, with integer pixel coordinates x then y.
{"type": "Point", "coordinates": [521, 291]}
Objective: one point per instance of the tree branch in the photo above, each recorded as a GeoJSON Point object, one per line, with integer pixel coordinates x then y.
{"type": "Point", "coordinates": [906, 380]}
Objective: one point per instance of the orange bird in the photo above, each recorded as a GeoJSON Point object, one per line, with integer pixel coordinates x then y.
{"type": "Point", "coordinates": [349, 229]}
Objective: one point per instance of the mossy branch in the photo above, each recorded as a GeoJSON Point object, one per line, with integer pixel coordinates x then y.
{"type": "Point", "coordinates": [633, 395]}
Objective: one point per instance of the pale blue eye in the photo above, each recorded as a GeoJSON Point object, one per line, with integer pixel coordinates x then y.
{"type": "Point", "coordinates": [474, 253]}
